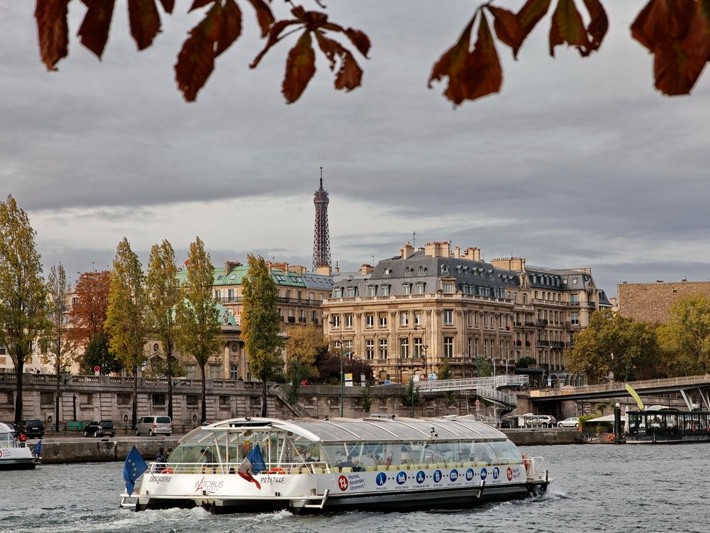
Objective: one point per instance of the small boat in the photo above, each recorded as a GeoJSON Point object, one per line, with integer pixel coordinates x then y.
{"type": "Point", "coordinates": [14, 455]}
{"type": "Point", "coordinates": [312, 465]}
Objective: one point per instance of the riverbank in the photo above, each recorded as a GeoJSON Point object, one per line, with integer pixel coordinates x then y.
{"type": "Point", "coordinates": [58, 450]}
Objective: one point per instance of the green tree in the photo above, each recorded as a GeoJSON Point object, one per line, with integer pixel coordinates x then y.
{"type": "Point", "coordinates": [98, 353]}
{"type": "Point", "coordinates": [23, 293]}
{"type": "Point", "coordinates": [56, 334]}
{"type": "Point", "coordinates": [615, 344]}
{"type": "Point", "coordinates": [484, 368]}
{"type": "Point", "coordinates": [261, 324]}
{"type": "Point", "coordinates": [197, 317]}
{"type": "Point", "coordinates": [125, 323]}
{"type": "Point", "coordinates": [302, 348]}
{"type": "Point", "coordinates": [445, 372]}
{"type": "Point", "coordinates": [685, 339]}
{"type": "Point", "coordinates": [411, 396]}
{"type": "Point", "coordinates": [163, 294]}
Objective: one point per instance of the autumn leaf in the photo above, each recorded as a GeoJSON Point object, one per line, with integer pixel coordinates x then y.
{"type": "Point", "coordinates": [168, 5]}
{"type": "Point", "coordinates": [452, 64]}
{"type": "Point", "coordinates": [274, 37]}
{"type": "Point", "coordinates": [349, 75]}
{"type": "Point", "coordinates": [53, 31]}
{"type": "Point", "coordinates": [677, 33]}
{"type": "Point", "coordinates": [597, 28]}
{"type": "Point", "coordinates": [144, 21]}
{"type": "Point", "coordinates": [484, 73]}
{"type": "Point", "coordinates": [196, 59]}
{"type": "Point", "coordinates": [507, 27]}
{"type": "Point", "coordinates": [264, 17]}
{"type": "Point", "coordinates": [300, 68]}
{"type": "Point", "coordinates": [96, 24]}
{"type": "Point", "coordinates": [531, 13]}
{"type": "Point", "coordinates": [231, 26]}
{"type": "Point", "coordinates": [567, 26]}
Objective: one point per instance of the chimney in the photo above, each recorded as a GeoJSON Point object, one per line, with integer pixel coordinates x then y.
{"type": "Point", "coordinates": [324, 270]}
{"type": "Point", "coordinates": [457, 252]}
{"type": "Point", "coordinates": [437, 249]}
{"type": "Point", "coordinates": [406, 251]}
{"type": "Point", "coordinates": [366, 269]}
{"type": "Point", "coordinates": [474, 254]}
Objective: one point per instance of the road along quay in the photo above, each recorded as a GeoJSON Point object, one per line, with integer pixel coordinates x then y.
{"type": "Point", "coordinates": [63, 449]}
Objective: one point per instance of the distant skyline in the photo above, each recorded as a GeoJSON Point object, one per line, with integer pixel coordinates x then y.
{"type": "Point", "coordinates": [577, 163]}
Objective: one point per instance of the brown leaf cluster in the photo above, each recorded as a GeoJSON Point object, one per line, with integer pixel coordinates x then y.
{"type": "Point", "coordinates": [676, 32]}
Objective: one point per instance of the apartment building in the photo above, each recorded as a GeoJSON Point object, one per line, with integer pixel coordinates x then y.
{"type": "Point", "coordinates": [407, 314]}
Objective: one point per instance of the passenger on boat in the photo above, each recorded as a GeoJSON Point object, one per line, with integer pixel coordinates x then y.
{"type": "Point", "coordinates": [351, 463]}
{"type": "Point", "coordinates": [160, 459]}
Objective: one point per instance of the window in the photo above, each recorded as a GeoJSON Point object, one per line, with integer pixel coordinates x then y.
{"type": "Point", "coordinates": [403, 318]}
{"type": "Point", "coordinates": [233, 371]}
{"type": "Point", "coordinates": [351, 292]}
{"type": "Point", "coordinates": [224, 402]}
{"type": "Point", "coordinates": [192, 400]}
{"type": "Point", "coordinates": [417, 319]}
{"type": "Point", "coordinates": [348, 349]}
{"type": "Point", "coordinates": [123, 398]}
{"type": "Point", "coordinates": [338, 292]}
{"type": "Point", "coordinates": [448, 287]}
{"type": "Point", "coordinates": [383, 348]}
{"type": "Point", "coordinates": [388, 271]}
{"type": "Point", "coordinates": [408, 271]}
{"type": "Point", "coordinates": [369, 320]}
{"type": "Point", "coordinates": [574, 299]}
{"type": "Point", "coordinates": [404, 347]}
{"type": "Point", "coordinates": [335, 321]}
{"type": "Point", "coordinates": [349, 320]}
{"type": "Point", "coordinates": [46, 398]}
{"type": "Point", "coordinates": [444, 269]}
{"type": "Point", "coordinates": [418, 347]}
{"type": "Point", "coordinates": [422, 270]}
{"type": "Point", "coordinates": [574, 318]}
{"type": "Point", "coordinates": [372, 290]}
{"type": "Point", "coordinates": [230, 294]}
{"type": "Point", "coordinates": [158, 398]}
{"type": "Point", "coordinates": [448, 346]}
{"type": "Point", "coordinates": [217, 294]}
{"type": "Point", "coordinates": [383, 320]}
{"type": "Point", "coordinates": [420, 287]}
{"type": "Point", "coordinates": [369, 349]}
{"type": "Point", "coordinates": [406, 289]}
{"type": "Point", "coordinates": [385, 290]}
{"type": "Point", "coordinates": [448, 317]}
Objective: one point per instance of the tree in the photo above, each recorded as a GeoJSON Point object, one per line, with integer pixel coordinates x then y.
{"type": "Point", "coordinates": [614, 344]}
{"type": "Point", "coordinates": [125, 323]}
{"type": "Point", "coordinates": [484, 368]}
{"type": "Point", "coordinates": [302, 348]}
{"type": "Point", "coordinates": [88, 314]}
{"type": "Point", "coordinates": [677, 34]}
{"type": "Point", "coordinates": [56, 334]}
{"type": "Point", "coordinates": [261, 324]}
{"type": "Point", "coordinates": [685, 339]}
{"type": "Point", "coordinates": [163, 294]}
{"type": "Point", "coordinates": [445, 372]}
{"type": "Point", "coordinates": [23, 293]}
{"type": "Point", "coordinates": [197, 315]}
{"type": "Point", "coordinates": [98, 353]}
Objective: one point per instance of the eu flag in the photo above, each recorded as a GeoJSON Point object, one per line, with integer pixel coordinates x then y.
{"type": "Point", "coordinates": [257, 461]}
{"type": "Point", "coordinates": [133, 469]}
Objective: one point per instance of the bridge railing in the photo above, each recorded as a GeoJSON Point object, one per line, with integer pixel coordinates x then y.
{"type": "Point", "coordinates": [682, 381]}
{"type": "Point", "coordinates": [442, 385]}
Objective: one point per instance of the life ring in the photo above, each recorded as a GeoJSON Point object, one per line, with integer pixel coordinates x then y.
{"type": "Point", "coordinates": [610, 437]}
{"type": "Point", "coordinates": [167, 470]}
{"type": "Point", "coordinates": [275, 470]}
{"type": "Point", "coordinates": [526, 462]}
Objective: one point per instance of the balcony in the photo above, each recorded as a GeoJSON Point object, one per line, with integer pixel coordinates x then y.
{"type": "Point", "coordinates": [569, 326]}
{"type": "Point", "coordinates": [541, 322]}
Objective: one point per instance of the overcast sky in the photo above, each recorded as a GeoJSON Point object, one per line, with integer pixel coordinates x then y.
{"type": "Point", "coordinates": [577, 163]}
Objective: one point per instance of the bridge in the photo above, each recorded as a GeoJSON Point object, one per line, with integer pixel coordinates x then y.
{"type": "Point", "coordinates": [487, 388]}
{"type": "Point", "coordinates": [685, 386]}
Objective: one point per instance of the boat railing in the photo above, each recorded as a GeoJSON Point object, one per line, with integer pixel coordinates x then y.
{"type": "Point", "coordinates": [534, 467]}
{"type": "Point", "coordinates": [233, 468]}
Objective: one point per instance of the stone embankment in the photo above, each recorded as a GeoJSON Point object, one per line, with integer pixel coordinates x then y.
{"type": "Point", "coordinates": [77, 450]}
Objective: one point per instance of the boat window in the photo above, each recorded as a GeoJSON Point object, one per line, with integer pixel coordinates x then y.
{"type": "Point", "coordinates": [506, 452]}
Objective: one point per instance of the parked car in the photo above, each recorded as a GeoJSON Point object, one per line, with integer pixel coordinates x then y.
{"type": "Point", "coordinates": [101, 428]}
{"type": "Point", "coordinates": [33, 428]}
{"type": "Point", "coordinates": [545, 421]}
{"type": "Point", "coordinates": [152, 425]}
{"type": "Point", "coordinates": [571, 422]}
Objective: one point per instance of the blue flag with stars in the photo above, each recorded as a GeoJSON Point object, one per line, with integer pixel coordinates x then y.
{"type": "Point", "coordinates": [133, 469]}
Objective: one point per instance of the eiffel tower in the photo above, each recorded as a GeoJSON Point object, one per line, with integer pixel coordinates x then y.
{"type": "Point", "coordinates": [321, 236]}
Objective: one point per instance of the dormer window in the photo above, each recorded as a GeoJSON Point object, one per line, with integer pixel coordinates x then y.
{"type": "Point", "coordinates": [422, 270]}
{"type": "Point", "coordinates": [444, 269]}
{"type": "Point", "coordinates": [388, 271]}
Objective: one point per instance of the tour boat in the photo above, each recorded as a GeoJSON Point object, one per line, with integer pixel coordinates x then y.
{"type": "Point", "coordinates": [667, 426]}
{"type": "Point", "coordinates": [311, 465]}
{"type": "Point", "coordinates": [14, 455]}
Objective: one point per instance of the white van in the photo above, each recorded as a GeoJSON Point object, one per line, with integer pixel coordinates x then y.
{"type": "Point", "coordinates": [152, 425]}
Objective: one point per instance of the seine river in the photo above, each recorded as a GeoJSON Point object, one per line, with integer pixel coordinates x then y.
{"type": "Point", "coordinates": [642, 488]}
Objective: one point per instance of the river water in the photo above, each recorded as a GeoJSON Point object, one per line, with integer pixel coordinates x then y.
{"type": "Point", "coordinates": [595, 488]}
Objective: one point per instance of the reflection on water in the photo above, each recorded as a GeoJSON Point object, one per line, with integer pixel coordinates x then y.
{"type": "Point", "coordinates": [595, 488]}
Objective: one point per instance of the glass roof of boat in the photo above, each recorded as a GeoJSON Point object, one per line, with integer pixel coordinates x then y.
{"type": "Point", "coordinates": [367, 429]}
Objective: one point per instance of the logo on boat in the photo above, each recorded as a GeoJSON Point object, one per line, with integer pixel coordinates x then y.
{"type": "Point", "coordinates": [343, 483]}
{"type": "Point", "coordinates": [470, 474]}
{"type": "Point", "coordinates": [381, 479]}
{"type": "Point", "coordinates": [421, 476]}
{"type": "Point", "coordinates": [437, 476]}
{"type": "Point", "coordinates": [496, 473]}
{"type": "Point", "coordinates": [401, 478]}
{"type": "Point", "coordinates": [484, 473]}
{"type": "Point", "coordinates": [510, 474]}
{"type": "Point", "coordinates": [454, 475]}
{"type": "Point", "coordinates": [208, 485]}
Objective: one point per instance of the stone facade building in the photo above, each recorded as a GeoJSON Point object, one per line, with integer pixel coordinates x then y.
{"type": "Point", "coordinates": [651, 302]}
{"type": "Point", "coordinates": [407, 314]}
